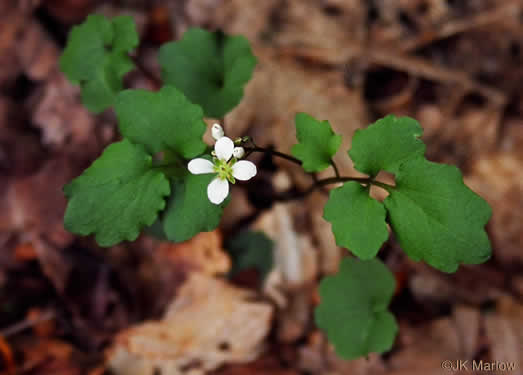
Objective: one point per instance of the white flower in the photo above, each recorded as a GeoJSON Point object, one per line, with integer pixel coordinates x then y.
{"type": "Point", "coordinates": [238, 152]}
{"type": "Point", "coordinates": [228, 169]}
{"type": "Point", "coordinates": [217, 131]}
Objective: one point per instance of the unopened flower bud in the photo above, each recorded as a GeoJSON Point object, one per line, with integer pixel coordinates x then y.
{"type": "Point", "coordinates": [217, 131]}
{"type": "Point", "coordinates": [238, 152]}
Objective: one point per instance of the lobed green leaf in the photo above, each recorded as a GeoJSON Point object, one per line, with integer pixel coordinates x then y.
{"type": "Point", "coordinates": [95, 57]}
{"type": "Point", "coordinates": [317, 143]}
{"type": "Point", "coordinates": [118, 195]}
{"type": "Point", "coordinates": [386, 144]}
{"type": "Point", "coordinates": [211, 69]}
{"type": "Point", "coordinates": [354, 308]}
{"type": "Point", "coordinates": [436, 217]}
{"type": "Point", "coordinates": [162, 120]}
{"type": "Point", "coordinates": [358, 221]}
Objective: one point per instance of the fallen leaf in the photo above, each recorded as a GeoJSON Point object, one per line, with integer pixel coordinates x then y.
{"type": "Point", "coordinates": [498, 178]}
{"type": "Point", "coordinates": [7, 356]}
{"type": "Point", "coordinates": [262, 366]}
{"type": "Point", "coordinates": [294, 255]}
{"type": "Point", "coordinates": [25, 252]}
{"type": "Point", "coordinates": [36, 203]}
{"type": "Point", "coordinates": [209, 323]}
{"type": "Point", "coordinates": [203, 253]}
{"type": "Point", "coordinates": [65, 122]}
{"type": "Point", "coordinates": [504, 330]}
{"type": "Point", "coordinates": [42, 327]}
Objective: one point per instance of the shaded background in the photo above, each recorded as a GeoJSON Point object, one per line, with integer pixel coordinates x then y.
{"type": "Point", "coordinates": [70, 307]}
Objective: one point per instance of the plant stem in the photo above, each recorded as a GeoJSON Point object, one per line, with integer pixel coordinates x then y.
{"type": "Point", "coordinates": [317, 183]}
{"type": "Point", "coordinates": [335, 167]}
{"type": "Point", "coordinates": [255, 148]}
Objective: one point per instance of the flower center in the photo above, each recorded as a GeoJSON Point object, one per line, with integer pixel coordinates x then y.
{"type": "Point", "coordinates": [224, 169]}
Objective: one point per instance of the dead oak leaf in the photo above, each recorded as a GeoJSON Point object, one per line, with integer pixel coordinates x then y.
{"type": "Point", "coordinates": [209, 323]}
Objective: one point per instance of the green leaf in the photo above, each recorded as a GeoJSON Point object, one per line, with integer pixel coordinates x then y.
{"type": "Point", "coordinates": [353, 309]}
{"type": "Point", "coordinates": [96, 58]}
{"type": "Point", "coordinates": [358, 221]}
{"type": "Point", "coordinates": [189, 211]}
{"type": "Point", "coordinates": [251, 249]}
{"type": "Point", "coordinates": [163, 120]}
{"type": "Point", "coordinates": [211, 69]}
{"type": "Point", "coordinates": [156, 230]}
{"type": "Point", "coordinates": [436, 217]}
{"type": "Point", "coordinates": [386, 144]}
{"type": "Point", "coordinates": [317, 143]}
{"type": "Point", "coordinates": [116, 196]}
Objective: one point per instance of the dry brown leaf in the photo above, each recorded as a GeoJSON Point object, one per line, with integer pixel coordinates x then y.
{"type": "Point", "coordinates": [172, 262]}
{"type": "Point", "coordinates": [69, 11]}
{"type": "Point", "coordinates": [14, 15]}
{"type": "Point", "coordinates": [53, 262]}
{"type": "Point", "coordinates": [49, 356]}
{"type": "Point", "coordinates": [292, 281]}
{"type": "Point", "coordinates": [247, 17]}
{"type": "Point", "coordinates": [294, 320]}
{"type": "Point", "coordinates": [426, 347]}
{"type": "Point", "coordinates": [294, 254]}
{"type": "Point", "coordinates": [499, 179]}
{"type": "Point", "coordinates": [203, 253]}
{"type": "Point", "coordinates": [42, 328]}
{"type": "Point", "coordinates": [317, 356]}
{"type": "Point", "coordinates": [7, 356]}
{"type": "Point", "coordinates": [37, 52]}
{"type": "Point", "coordinates": [475, 132]}
{"type": "Point", "coordinates": [474, 285]}
{"type": "Point", "coordinates": [262, 366]}
{"type": "Point", "coordinates": [504, 331]}
{"type": "Point", "coordinates": [36, 203]}
{"type": "Point", "coordinates": [25, 252]}
{"type": "Point", "coordinates": [307, 23]}
{"type": "Point", "coordinates": [64, 121]}
{"type": "Point", "coordinates": [329, 253]}
{"type": "Point", "coordinates": [467, 321]}
{"type": "Point", "coordinates": [372, 365]}
{"type": "Point", "coordinates": [209, 323]}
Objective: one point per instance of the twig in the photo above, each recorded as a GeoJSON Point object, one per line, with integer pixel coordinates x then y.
{"type": "Point", "coordinates": [453, 27]}
{"type": "Point", "coordinates": [422, 68]}
{"type": "Point", "coordinates": [290, 158]}
{"type": "Point", "coordinates": [414, 65]}
{"type": "Point", "coordinates": [26, 324]}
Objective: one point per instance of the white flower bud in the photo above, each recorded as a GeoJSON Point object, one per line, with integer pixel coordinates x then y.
{"type": "Point", "coordinates": [217, 131]}
{"type": "Point", "coordinates": [238, 152]}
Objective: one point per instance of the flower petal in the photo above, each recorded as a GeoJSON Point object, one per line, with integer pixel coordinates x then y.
{"type": "Point", "coordinates": [218, 190]}
{"type": "Point", "coordinates": [217, 131]}
{"type": "Point", "coordinates": [200, 166]}
{"type": "Point", "coordinates": [244, 170]}
{"type": "Point", "coordinates": [223, 148]}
